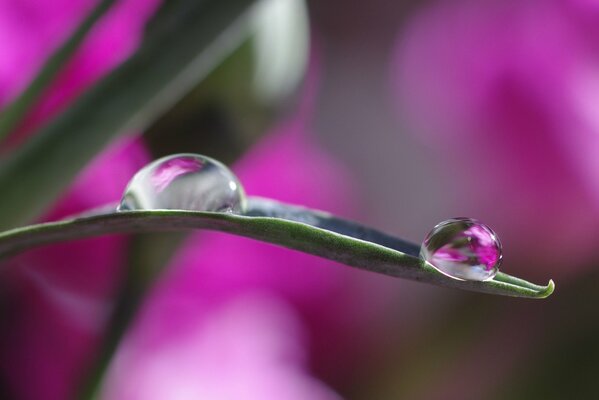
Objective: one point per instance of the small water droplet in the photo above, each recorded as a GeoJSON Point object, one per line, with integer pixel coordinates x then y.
{"type": "Point", "coordinates": [464, 249]}
{"type": "Point", "coordinates": [184, 182]}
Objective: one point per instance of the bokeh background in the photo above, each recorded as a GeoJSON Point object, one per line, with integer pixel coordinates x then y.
{"type": "Point", "coordinates": [396, 114]}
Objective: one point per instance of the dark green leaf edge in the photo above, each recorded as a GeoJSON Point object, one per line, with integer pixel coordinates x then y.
{"type": "Point", "coordinates": [15, 111]}
{"type": "Point", "coordinates": [284, 232]}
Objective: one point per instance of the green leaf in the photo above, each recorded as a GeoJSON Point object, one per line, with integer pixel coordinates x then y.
{"type": "Point", "coordinates": [16, 110]}
{"type": "Point", "coordinates": [294, 227]}
{"type": "Point", "coordinates": [175, 56]}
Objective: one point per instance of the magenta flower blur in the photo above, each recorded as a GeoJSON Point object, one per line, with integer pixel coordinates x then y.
{"type": "Point", "coordinates": [30, 30]}
{"type": "Point", "coordinates": [504, 94]}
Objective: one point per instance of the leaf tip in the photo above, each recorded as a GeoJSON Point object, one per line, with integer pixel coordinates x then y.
{"type": "Point", "coordinates": [547, 291]}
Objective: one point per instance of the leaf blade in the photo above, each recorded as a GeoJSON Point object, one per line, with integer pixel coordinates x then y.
{"type": "Point", "coordinates": [288, 233]}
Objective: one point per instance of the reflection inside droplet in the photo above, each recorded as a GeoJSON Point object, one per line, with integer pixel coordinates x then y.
{"type": "Point", "coordinates": [463, 248]}
{"type": "Point", "coordinates": [184, 182]}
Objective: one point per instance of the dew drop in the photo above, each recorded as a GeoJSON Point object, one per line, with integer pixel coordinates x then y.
{"type": "Point", "coordinates": [464, 249]}
{"type": "Point", "coordinates": [184, 182]}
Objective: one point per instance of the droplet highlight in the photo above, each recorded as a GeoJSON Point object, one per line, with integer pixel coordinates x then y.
{"type": "Point", "coordinates": [463, 249]}
{"type": "Point", "coordinates": [184, 182]}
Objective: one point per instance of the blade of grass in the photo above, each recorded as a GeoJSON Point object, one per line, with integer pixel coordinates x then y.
{"type": "Point", "coordinates": [16, 110]}
{"type": "Point", "coordinates": [155, 77]}
{"type": "Point", "coordinates": [293, 227]}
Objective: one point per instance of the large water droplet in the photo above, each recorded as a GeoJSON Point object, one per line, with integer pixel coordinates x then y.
{"type": "Point", "coordinates": [464, 249]}
{"type": "Point", "coordinates": [184, 182]}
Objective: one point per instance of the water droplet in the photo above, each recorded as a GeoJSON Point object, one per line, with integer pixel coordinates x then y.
{"type": "Point", "coordinates": [464, 249]}
{"type": "Point", "coordinates": [184, 182]}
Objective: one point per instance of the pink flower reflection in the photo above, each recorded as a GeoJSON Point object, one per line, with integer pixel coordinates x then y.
{"type": "Point", "coordinates": [472, 246]}
{"type": "Point", "coordinates": [169, 170]}
{"type": "Point", "coordinates": [484, 246]}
